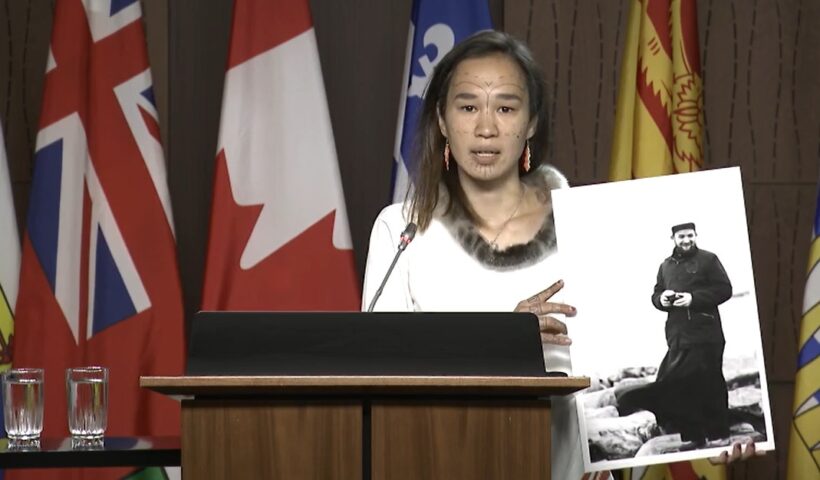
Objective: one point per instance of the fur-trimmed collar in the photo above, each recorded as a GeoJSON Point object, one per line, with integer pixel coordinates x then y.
{"type": "Point", "coordinates": [545, 178]}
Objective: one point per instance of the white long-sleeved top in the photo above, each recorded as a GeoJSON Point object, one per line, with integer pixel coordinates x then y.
{"type": "Point", "coordinates": [436, 274]}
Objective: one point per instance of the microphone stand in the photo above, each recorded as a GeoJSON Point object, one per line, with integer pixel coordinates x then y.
{"type": "Point", "coordinates": [406, 237]}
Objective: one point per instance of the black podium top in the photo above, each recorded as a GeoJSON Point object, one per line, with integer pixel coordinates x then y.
{"type": "Point", "coordinates": [114, 452]}
{"type": "Point", "coordinates": [356, 343]}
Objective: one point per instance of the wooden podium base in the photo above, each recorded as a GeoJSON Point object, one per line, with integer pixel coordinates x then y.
{"type": "Point", "coordinates": [507, 440]}
{"type": "Point", "coordinates": [369, 428]}
{"type": "Point", "coordinates": [271, 439]}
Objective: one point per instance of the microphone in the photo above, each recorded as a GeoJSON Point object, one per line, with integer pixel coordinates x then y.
{"type": "Point", "coordinates": [404, 240]}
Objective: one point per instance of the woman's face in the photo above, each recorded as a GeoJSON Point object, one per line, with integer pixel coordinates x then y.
{"type": "Point", "coordinates": [486, 117]}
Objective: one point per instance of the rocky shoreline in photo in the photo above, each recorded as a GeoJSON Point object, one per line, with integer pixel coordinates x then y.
{"type": "Point", "coordinates": [614, 437]}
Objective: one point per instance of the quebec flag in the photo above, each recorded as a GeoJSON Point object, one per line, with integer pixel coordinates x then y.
{"type": "Point", "coordinates": [435, 27]}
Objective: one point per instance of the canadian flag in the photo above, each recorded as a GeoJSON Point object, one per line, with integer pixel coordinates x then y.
{"type": "Point", "coordinates": [279, 237]}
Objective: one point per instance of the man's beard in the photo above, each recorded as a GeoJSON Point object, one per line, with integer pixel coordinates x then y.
{"type": "Point", "coordinates": [681, 252]}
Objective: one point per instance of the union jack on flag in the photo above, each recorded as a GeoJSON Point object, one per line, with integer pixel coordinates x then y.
{"type": "Point", "coordinates": [99, 282]}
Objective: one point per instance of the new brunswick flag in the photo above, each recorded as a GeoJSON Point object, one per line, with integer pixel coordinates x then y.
{"type": "Point", "coordinates": [9, 266]}
{"type": "Point", "coordinates": [658, 129]}
{"type": "Point", "coordinates": [9, 261]}
{"type": "Point", "coordinates": [804, 444]}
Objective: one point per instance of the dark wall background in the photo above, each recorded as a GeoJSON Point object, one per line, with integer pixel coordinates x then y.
{"type": "Point", "coordinates": [762, 82]}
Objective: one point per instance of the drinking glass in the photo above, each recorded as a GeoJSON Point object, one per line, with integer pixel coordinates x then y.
{"type": "Point", "coordinates": [87, 392]}
{"type": "Point", "coordinates": [23, 403]}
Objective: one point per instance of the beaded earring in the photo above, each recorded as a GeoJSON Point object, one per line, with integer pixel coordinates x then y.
{"type": "Point", "coordinates": [525, 159]}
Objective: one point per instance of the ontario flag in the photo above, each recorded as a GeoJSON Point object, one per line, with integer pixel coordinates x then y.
{"type": "Point", "coordinates": [659, 130]}
{"type": "Point", "coordinates": [279, 237]}
{"type": "Point", "coordinates": [99, 283]}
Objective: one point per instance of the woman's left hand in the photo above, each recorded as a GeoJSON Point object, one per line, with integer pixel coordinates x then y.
{"type": "Point", "coordinates": [553, 331]}
{"type": "Point", "coordinates": [738, 453]}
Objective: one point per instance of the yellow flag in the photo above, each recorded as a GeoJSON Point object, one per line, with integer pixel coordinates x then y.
{"type": "Point", "coordinates": [659, 129]}
{"type": "Point", "coordinates": [9, 259]}
{"type": "Point", "coordinates": [659, 114]}
{"type": "Point", "coordinates": [804, 442]}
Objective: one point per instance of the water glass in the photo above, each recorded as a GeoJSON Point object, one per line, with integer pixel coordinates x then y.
{"type": "Point", "coordinates": [23, 403]}
{"type": "Point", "coordinates": [87, 392]}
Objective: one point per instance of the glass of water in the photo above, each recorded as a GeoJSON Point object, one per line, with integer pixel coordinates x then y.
{"type": "Point", "coordinates": [23, 404]}
{"type": "Point", "coordinates": [87, 392]}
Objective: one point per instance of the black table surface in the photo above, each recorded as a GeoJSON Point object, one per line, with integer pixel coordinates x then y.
{"type": "Point", "coordinates": [114, 452]}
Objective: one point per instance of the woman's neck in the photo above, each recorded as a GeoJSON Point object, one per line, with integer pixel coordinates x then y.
{"type": "Point", "coordinates": [524, 240]}
{"type": "Point", "coordinates": [492, 202]}
{"type": "Point", "coordinates": [506, 211]}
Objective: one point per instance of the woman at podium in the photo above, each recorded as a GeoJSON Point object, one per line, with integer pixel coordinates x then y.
{"type": "Point", "coordinates": [482, 205]}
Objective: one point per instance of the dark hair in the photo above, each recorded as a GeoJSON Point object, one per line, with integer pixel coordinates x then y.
{"type": "Point", "coordinates": [429, 147]}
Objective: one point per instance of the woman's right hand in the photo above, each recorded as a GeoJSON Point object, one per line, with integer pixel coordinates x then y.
{"type": "Point", "coordinates": [553, 331]}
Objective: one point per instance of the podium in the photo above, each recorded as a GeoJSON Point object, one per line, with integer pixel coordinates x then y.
{"type": "Point", "coordinates": [365, 427]}
{"type": "Point", "coordinates": [346, 395]}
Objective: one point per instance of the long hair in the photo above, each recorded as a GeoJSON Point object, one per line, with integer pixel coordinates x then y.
{"type": "Point", "coordinates": [429, 145]}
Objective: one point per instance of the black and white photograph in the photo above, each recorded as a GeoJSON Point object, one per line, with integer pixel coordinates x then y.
{"type": "Point", "coordinates": [667, 325]}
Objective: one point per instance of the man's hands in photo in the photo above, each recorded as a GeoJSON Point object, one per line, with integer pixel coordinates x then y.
{"type": "Point", "coordinates": [684, 299]}
{"type": "Point", "coordinates": [671, 298]}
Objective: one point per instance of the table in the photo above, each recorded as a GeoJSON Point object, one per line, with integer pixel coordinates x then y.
{"type": "Point", "coordinates": [115, 452]}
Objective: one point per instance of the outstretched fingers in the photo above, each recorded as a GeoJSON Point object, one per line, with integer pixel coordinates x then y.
{"type": "Point", "coordinates": [553, 331]}
{"type": "Point", "coordinates": [546, 294]}
{"type": "Point", "coordinates": [539, 303]}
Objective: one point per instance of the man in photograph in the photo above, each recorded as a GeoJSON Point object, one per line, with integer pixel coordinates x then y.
{"type": "Point", "coordinates": [689, 395]}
